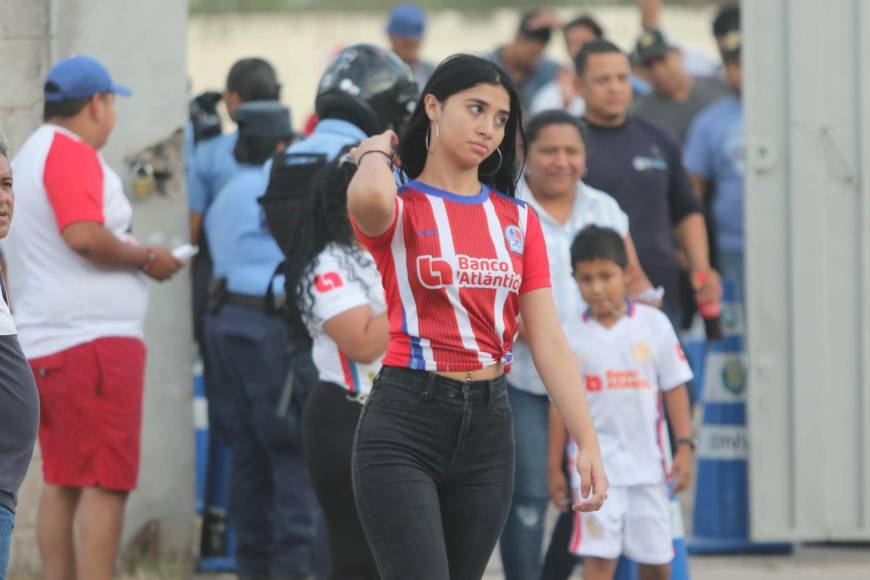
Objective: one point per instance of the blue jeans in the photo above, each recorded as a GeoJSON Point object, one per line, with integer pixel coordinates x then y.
{"type": "Point", "coordinates": [523, 534]}
{"type": "Point", "coordinates": [7, 522]}
{"type": "Point", "coordinates": [271, 500]}
{"type": "Point", "coordinates": [433, 474]}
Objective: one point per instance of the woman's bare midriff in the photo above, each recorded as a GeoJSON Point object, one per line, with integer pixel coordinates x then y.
{"type": "Point", "coordinates": [485, 374]}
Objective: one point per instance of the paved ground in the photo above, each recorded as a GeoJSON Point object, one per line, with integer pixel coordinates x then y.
{"type": "Point", "coordinates": [807, 563]}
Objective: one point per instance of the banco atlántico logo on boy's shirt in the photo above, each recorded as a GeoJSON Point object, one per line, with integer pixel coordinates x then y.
{"type": "Point", "coordinates": [467, 272]}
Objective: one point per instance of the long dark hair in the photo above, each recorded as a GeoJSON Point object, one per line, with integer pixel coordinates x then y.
{"type": "Point", "coordinates": [458, 73]}
{"type": "Point", "coordinates": [322, 221]}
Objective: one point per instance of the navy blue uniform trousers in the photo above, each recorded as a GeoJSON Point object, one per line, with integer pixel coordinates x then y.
{"type": "Point", "coordinates": [272, 503]}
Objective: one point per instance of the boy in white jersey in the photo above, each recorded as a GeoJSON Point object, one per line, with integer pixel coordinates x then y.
{"type": "Point", "coordinates": [631, 362]}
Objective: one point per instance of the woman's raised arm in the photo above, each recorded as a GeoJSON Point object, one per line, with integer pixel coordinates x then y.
{"type": "Point", "coordinates": [372, 191]}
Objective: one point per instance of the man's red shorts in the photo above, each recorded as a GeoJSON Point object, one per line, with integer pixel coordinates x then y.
{"type": "Point", "coordinates": [91, 413]}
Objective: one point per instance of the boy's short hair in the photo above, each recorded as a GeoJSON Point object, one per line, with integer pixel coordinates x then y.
{"type": "Point", "coordinates": [596, 243]}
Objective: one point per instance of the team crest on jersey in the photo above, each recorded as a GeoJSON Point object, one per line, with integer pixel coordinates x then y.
{"type": "Point", "coordinates": [593, 529]}
{"type": "Point", "coordinates": [641, 352]}
{"type": "Point", "coordinates": [514, 237]}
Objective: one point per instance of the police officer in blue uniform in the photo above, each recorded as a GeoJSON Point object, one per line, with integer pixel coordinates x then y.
{"type": "Point", "coordinates": [212, 164]}
{"type": "Point", "coordinates": [365, 91]}
{"type": "Point", "coordinates": [271, 499]}
{"type": "Point", "coordinates": [249, 80]}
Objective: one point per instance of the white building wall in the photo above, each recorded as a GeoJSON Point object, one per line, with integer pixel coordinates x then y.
{"type": "Point", "coordinates": [807, 98]}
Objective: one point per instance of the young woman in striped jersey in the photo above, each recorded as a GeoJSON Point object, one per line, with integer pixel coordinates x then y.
{"type": "Point", "coordinates": [340, 299]}
{"type": "Point", "coordinates": [461, 259]}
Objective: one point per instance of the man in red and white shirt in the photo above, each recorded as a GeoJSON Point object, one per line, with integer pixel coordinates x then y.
{"type": "Point", "coordinates": [79, 298]}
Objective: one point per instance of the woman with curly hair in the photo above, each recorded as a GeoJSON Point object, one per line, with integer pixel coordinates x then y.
{"type": "Point", "coordinates": [335, 290]}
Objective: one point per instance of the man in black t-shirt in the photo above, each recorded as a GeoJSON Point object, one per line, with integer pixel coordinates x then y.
{"type": "Point", "coordinates": [640, 164]}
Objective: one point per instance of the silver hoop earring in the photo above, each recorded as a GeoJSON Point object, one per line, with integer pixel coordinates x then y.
{"type": "Point", "coordinates": [428, 131]}
{"type": "Point", "coordinates": [500, 161]}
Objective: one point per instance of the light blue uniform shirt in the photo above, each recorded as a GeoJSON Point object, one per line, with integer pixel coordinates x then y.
{"type": "Point", "coordinates": [329, 137]}
{"type": "Point", "coordinates": [241, 245]}
{"type": "Point", "coordinates": [213, 165]}
{"type": "Point", "coordinates": [715, 151]}
{"type": "Point", "coordinates": [591, 207]}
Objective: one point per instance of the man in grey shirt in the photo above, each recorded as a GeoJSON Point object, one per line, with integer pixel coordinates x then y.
{"type": "Point", "coordinates": [19, 403]}
{"type": "Point", "coordinates": [677, 96]}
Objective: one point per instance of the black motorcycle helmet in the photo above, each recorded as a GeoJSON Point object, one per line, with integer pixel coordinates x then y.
{"type": "Point", "coordinates": [368, 86]}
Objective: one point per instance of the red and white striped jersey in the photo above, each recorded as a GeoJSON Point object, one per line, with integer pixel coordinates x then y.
{"type": "Point", "coordinates": [453, 268]}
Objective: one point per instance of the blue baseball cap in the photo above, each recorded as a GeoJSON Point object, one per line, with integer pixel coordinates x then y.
{"type": "Point", "coordinates": [407, 21]}
{"type": "Point", "coordinates": [78, 77]}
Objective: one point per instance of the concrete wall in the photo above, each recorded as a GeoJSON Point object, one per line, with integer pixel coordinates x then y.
{"type": "Point", "coordinates": [298, 44]}
{"type": "Point", "coordinates": [24, 58]}
{"type": "Point", "coordinates": [144, 46]}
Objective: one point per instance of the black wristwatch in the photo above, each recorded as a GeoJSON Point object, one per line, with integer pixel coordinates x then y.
{"type": "Point", "coordinates": [690, 441]}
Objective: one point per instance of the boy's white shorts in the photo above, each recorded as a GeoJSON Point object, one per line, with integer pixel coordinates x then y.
{"type": "Point", "coordinates": [634, 521]}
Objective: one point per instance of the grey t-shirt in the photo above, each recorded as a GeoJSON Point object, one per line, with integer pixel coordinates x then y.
{"type": "Point", "coordinates": [19, 409]}
{"type": "Point", "coordinates": [664, 110]}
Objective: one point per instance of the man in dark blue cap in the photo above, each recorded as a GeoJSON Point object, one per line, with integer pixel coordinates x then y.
{"type": "Point", "coordinates": [405, 28]}
{"type": "Point", "coordinates": [78, 288]}
{"type": "Point", "coordinates": [271, 499]}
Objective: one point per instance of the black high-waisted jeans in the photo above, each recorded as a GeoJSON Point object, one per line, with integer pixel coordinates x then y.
{"type": "Point", "coordinates": [433, 470]}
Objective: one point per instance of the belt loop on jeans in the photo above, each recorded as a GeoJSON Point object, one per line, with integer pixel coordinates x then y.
{"type": "Point", "coordinates": [359, 398]}
{"type": "Point", "coordinates": [431, 377]}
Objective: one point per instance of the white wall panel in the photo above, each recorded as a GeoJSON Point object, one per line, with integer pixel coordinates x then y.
{"type": "Point", "coordinates": [807, 95]}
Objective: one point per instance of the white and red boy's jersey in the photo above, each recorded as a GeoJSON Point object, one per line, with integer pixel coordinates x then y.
{"type": "Point", "coordinates": [60, 299]}
{"type": "Point", "coordinates": [343, 280]}
{"type": "Point", "coordinates": [625, 369]}
{"type": "Point", "coordinates": [453, 269]}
